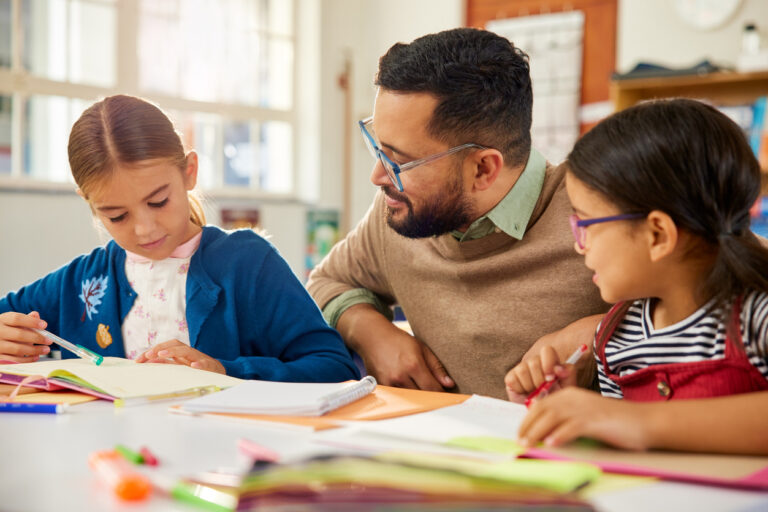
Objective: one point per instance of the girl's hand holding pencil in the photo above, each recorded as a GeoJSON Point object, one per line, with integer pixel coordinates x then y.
{"type": "Point", "coordinates": [18, 341]}
{"type": "Point", "coordinates": [541, 374]}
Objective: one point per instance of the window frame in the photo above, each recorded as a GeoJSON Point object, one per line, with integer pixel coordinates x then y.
{"type": "Point", "coordinates": [20, 85]}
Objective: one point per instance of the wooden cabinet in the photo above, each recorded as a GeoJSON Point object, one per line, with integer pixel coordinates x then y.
{"type": "Point", "coordinates": [723, 88]}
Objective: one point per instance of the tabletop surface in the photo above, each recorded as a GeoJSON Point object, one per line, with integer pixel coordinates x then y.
{"type": "Point", "coordinates": [44, 460]}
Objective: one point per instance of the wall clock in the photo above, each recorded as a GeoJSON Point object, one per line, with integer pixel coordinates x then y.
{"type": "Point", "coordinates": [705, 14]}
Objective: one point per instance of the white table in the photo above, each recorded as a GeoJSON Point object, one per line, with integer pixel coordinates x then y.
{"type": "Point", "coordinates": [44, 460]}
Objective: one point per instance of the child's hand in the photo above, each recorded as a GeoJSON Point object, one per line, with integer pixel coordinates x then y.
{"type": "Point", "coordinates": [17, 342]}
{"type": "Point", "coordinates": [176, 352]}
{"type": "Point", "coordinates": [532, 371]}
{"type": "Point", "coordinates": [575, 412]}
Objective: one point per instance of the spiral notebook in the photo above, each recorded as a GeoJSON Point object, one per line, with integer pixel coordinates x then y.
{"type": "Point", "coordinates": [284, 398]}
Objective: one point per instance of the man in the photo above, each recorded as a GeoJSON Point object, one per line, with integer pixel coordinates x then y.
{"type": "Point", "coordinates": [469, 232]}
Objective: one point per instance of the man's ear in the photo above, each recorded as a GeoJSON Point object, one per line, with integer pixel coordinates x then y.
{"type": "Point", "coordinates": [663, 235]}
{"type": "Point", "coordinates": [190, 171]}
{"type": "Point", "coordinates": [81, 193]}
{"type": "Point", "coordinates": [487, 164]}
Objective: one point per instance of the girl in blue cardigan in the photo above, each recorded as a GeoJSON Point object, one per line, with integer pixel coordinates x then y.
{"type": "Point", "coordinates": [167, 288]}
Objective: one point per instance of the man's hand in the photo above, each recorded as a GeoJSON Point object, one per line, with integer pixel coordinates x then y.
{"type": "Point", "coordinates": [391, 355]}
{"type": "Point", "coordinates": [176, 352]}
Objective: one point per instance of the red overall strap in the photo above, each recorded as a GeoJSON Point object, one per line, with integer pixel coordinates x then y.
{"type": "Point", "coordinates": [611, 320]}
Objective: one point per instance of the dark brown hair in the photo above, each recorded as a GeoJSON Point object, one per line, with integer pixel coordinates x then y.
{"type": "Point", "coordinates": [689, 160]}
{"type": "Point", "coordinates": [124, 130]}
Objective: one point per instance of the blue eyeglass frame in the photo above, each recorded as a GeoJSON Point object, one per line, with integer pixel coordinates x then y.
{"type": "Point", "coordinates": [578, 225]}
{"type": "Point", "coordinates": [393, 170]}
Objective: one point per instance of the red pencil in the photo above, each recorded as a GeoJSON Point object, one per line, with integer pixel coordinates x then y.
{"type": "Point", "coordinates": [544, 386]}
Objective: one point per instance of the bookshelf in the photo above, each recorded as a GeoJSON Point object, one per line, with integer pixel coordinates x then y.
{"type": "Point", "coordinates": [722, 88]}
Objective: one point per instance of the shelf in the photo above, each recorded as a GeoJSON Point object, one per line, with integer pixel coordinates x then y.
{"type": "Point", "coordinates": [722, 88]}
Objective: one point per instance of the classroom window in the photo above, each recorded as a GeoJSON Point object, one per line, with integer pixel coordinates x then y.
{"type": "Point", "coordinates": [70, 40]}
{"type": "Point", "coordinates": [223, 70]}
{"type": "Point", "coordinates": [5, 135]}
{"type": "Point", "coordinates": [46, 121]}
{"type": "Point", "coordinates": [5, 33]}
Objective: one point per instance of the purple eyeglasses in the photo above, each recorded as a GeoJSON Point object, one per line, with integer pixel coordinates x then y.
{"type": "Point", "coordinates": [579, 227]}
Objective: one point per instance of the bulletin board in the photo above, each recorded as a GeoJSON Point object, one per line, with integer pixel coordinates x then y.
{"type": "Point", "coordinates": [599, 41]}
{"type": "Point", "coordinates": [553, 43]}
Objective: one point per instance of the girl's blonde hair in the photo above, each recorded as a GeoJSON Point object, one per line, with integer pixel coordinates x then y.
{"type": "Point", "coordinates": [120, 130]}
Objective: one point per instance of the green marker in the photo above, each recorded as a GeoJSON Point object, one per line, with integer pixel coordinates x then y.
{"type": "Point", "coordinates": [204, 497]}
{"type": "Point", "coordinates": [129, 454]}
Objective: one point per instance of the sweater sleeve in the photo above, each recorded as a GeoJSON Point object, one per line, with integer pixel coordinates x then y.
{"type": "Point", "coordinates": [358, 261]}
{"type": "Point", "coordinates": [286, 328]}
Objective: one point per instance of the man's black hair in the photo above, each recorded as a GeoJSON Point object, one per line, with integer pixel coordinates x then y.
{"type": "Point", "coordinates": [482, 83]}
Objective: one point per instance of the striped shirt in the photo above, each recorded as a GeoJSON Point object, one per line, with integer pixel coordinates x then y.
{"type": "Point", "coordinates": [636, 344]}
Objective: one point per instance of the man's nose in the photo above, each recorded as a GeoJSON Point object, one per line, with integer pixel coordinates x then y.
{"type": "Point", "coordinates": [379, 176]}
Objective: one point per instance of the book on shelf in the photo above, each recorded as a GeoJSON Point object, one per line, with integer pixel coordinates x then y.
{"type": "Point", "coordinates": [115, 378]}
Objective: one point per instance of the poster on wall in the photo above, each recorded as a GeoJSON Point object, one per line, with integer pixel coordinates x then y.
{"type": "Point", "coordinates": [322, 234]}
{"type": "Point", "coordinates": [241, 218]}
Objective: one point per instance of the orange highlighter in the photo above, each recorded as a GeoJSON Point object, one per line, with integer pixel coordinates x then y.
{"type": "Point", "coordinates": [114, 471]}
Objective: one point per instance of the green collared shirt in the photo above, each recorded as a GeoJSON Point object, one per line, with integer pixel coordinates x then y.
{"type": "Point", "coordinates": [510, 215]}
{"type": "Point", "coordinates": [514, 211]}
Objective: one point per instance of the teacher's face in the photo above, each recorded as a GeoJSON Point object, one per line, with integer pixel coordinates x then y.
{"type": "Point", "coordinates": [434, 199]}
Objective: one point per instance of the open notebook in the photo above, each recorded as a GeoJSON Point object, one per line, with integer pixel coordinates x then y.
{"type": "Point", "coordinates": [114, 378]}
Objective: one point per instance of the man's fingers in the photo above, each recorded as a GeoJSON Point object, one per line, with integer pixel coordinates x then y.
{"type": "Point", "coordinates": [437, 368]}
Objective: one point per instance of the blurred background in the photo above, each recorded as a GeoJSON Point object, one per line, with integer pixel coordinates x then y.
{"type": "Point", "coordinates": [268, 93]}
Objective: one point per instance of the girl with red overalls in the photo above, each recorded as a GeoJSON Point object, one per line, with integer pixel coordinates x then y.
{"type": "Point", "coordinates": [661, 194]}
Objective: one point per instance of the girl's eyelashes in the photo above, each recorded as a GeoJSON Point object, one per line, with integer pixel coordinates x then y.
{"type": "Point", "coordinates": [159, 204]}
{"type": "Point", "coordinates": [118, 218]}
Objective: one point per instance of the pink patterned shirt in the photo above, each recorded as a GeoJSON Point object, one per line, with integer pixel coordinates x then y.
{"type": "Point", "coordinates": [159, 311]}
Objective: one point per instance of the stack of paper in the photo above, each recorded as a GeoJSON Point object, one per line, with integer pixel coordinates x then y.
{"type": "Point", "coordinates": [413, 478]}
{"type": "Point", "coordinates": [294, 398]}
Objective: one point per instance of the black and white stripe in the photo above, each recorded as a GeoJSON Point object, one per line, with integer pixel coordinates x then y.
{"type": "Point", "coordinates": [636, 344]}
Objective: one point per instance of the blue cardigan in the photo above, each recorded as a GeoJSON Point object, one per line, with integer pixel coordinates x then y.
{"type": "Point", "coordinates": [244, 307]}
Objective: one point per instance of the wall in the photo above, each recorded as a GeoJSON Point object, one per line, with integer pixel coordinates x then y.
{"type": "Point", "coordinates": [40, 231]}
{"type": "Point", "coordinates": [651, 31]}
{"type": "Point", "coordinates": [362, 30]}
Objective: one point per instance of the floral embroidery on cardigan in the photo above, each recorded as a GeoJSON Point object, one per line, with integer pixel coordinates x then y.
{"type": "Point", "coordinates": [92, 292]}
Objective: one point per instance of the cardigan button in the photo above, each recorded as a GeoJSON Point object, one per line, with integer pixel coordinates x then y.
{"type": "Point", "coordinates": [663, 388]}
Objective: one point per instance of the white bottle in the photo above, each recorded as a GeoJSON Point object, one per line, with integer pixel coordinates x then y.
{"type": "Point", "coordinates": [750, 40]}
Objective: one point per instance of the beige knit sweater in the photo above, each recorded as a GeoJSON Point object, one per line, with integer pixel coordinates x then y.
{"type": "Point", "coordinates": [479, 304]}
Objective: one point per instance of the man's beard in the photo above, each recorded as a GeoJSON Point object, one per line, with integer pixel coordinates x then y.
{"type": "Point", "coordinates": [447, 211]}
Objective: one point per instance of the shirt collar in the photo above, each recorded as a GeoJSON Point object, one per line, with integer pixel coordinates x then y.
{"type": "Point", "coordinates": [512, 213]}
{"type": "Point", "coordinates": [183, 251]}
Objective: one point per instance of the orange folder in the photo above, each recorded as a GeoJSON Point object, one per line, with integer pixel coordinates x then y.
{"type": "Point", "coordinates": [385, 402]}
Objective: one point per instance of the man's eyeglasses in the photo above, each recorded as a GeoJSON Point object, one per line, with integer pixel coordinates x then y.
{"type": "Point", "coordinates": [393, 169]}
{"type": "Point", "coordinates": [579, 227]}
